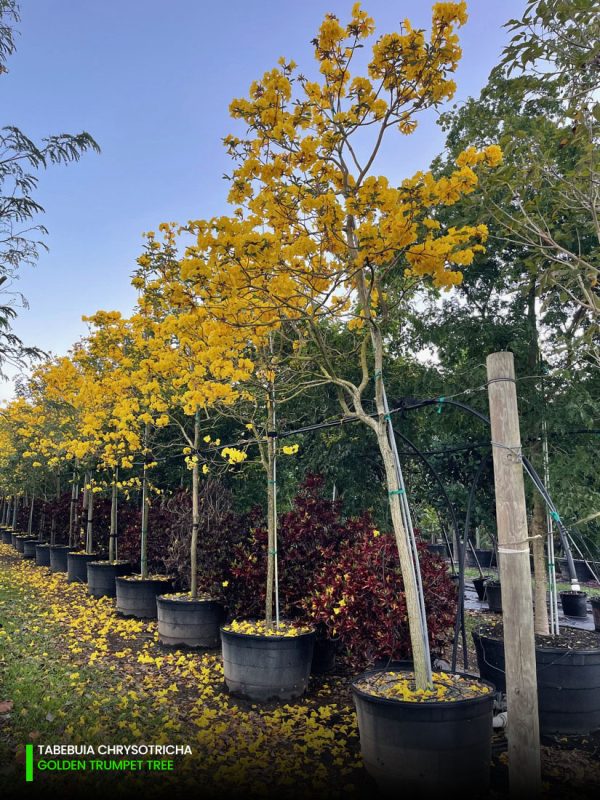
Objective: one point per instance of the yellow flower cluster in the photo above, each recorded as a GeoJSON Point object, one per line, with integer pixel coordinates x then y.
{"type": "Point", "coordinates": [259, 628]}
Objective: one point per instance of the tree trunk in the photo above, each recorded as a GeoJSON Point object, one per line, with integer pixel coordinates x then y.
{"type": "Point", "coordinates": [271, 511]}
{"type": "Point", "coordinates": [72, 510]}
{"type": "Point", "coordinates": [417, 631]}
{"type": "Point", "coordinates": [89, 535]}
{"type": "Point", "coordinates": [30, 523]}
{"type": "Point", "coordinates": [538, 532]}
{"type": "Point", "coordinates": [112, 539]}
{"type": "Point", "coordinates": [195, 512]}
{"type": "Point", "coordinates": [144, 532]}
{"type": "Point", "coordinates": [15, 509]}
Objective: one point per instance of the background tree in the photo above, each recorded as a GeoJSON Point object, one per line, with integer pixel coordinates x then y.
{"type": "Point", "coordinates": [20, 159]}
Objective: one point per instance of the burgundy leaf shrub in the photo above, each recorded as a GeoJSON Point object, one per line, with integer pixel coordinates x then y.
{"type": "Point", "coordinates": [359, 597]}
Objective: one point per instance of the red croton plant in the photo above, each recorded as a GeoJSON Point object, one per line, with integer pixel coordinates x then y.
{"type": "Point", "coordinates": [343, 576]}
{"type": "Point", "coordinates": [359, 597]}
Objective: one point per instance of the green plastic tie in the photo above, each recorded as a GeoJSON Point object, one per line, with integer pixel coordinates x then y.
{"type": "Point", "coordinates": [272, 552]}
{"type": "Point", "coordinates": [387, 417]}
{"type": "Point", "coordinates": [271, 483]}
{"type": "Point", "coordinates": [554, 515]}
{"type": "Point", "coordinates": [440, 401]}
{"type": "Point", "coordinates": [378, 374]}
{"type": "Point", "coordinates": [397, 491]}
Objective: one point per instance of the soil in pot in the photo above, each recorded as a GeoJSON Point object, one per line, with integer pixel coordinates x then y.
{"type": "Point", "coordinates": [58, 557]}
{"type": "Point", "coordinates": [101, 576]}
{"type": "Point", "coordinates": [568, 676]}
{"type": "Point", "coordinates": [493, 596]}
{"type": "Point", "coordinates": [264, 665]}
{"type": "Point", "coordinates": [77, 566]}
{"type": "Point", "coordinates": [479, 584]}
{"type": "Point", "coordinates": [136, 596]}
{"type": "Point", "coordinates": [595, 601]}
{"type": "Point", "coordinates": [193, 623]}
{"type": "Point", "coordinates": [29, 546]}
{"type": "Point", "coordinates": [574, 604]}
{"type": "Point", "coordinates": [429, 744]}
{"type": "Point", "coordinates": [6, 537]}
{"type": "Point", "coordinates": [42, 554]}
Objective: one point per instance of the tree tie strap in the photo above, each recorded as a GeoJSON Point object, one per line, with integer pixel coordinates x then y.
{"type": "Point", "coordinates": [396, 491]}
{"type": "Point", "coordinates": [440, 401]}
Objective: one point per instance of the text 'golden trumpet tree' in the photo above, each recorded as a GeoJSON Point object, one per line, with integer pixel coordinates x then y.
{"type": "Point", "coordinates": [319, 239]}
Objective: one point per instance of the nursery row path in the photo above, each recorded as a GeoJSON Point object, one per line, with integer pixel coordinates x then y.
{"type": "Point", "coordinates": [73, 672]}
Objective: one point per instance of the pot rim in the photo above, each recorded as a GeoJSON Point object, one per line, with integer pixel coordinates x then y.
{"type": "Point", "coordinates": [263, 637]}
{"type": "Point", "coordinates": [109, 563]}
{"type": "Point", "coordinates": [553, 650]}
{"type": "Point", "coordinates": [166, 598]}
{"type": "Point", "coordinates": [135, 579]}
{"type": "Point", "coordinates": [392, 701]}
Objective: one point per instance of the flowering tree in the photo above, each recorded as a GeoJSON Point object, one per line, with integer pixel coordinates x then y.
{"type": "Point", "coordinates": [318, 240]}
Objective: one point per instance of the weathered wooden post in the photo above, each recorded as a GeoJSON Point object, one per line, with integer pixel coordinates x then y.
{"type": "Point", "coordinates": [513, 553]}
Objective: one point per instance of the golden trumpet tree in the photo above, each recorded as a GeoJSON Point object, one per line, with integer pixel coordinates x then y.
{"type": "Point", "coordinates": [319, 239]}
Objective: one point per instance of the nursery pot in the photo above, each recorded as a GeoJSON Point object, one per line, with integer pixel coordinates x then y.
{"type": "Point", "coordinates": [574, 604]}
{"type": "Point", "coordinates": [58, 557]}
{"type": "Point", "coordinates": [29, 546]}
{"type": "Point", "coordinates": [568, 684]}
{"type": "Point", "coordinates": [20, 540]}
{"type": "Point", "coordinates": [485, 556]}
{"type": "Point", "coordinates": [581, 569]}
{"type": "Point", "coordinates": [479, 584]}
{"type": "Point", "coordinates": [595, 601]}
{"type": "Point", "coordinates": [493, 596]}
{"type": "Point", "coordinates": [267, 667]}
{"type": "Point", "coordinates": [77, 566]}
{"type": "Point", "coordinates": [13, 537]}
{"type": "Point", "coordinates": [438, 550]}
{"type": "Point", "coordinates": [101, 576]}
{"type": "Point", "coordinates": [324, 653]}
{"type": "Point", "coordinates": [194, 623]}
{"type": "Point", "coordinates": [425, 749]}
{"type": "Point", "coordinates": [6, 537]}
{"type": "Point", "coordinates": [137, 598]}
{"type": "Point", "coordinates": [42, 554]}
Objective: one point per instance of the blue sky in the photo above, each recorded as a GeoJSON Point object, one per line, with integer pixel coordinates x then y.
{"type": "Point", "coordinates": [152, 81]}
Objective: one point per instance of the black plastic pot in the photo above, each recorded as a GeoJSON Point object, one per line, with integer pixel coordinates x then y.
{"type": "Point", "coordinates": [581, 569]}
{"type": "Point", "coordinates": [479, 584]}
{"type": "Point", "coordinates": [6, 537]}
{"type": "Point", "coordinates": [324, 654]}
{"type": "Point", "coordinates": [20, 540]}
{"type": "Point", "coordinates": [426, 749]}
{"type": "Point", "coordinates": [574, 604]}
{"type": "Point", "coordinates": [493, 596]}
{"type": "Point", "coordinates": [568, 684]}
{"type": "Point", "coordinates": [486, 558]}
{"type": "Point", "coordinates": [58, 557]}
{"type": "Point", "coordinates": [77, 566]}
{"type": "Point", "coordinates": [194, 623]}
{"type": "Point", "coordinates": [137, 598]}
{"type": "Point", "coordinates": [438, 550]}
{"type": "Point", "coordinates": [595, 601]}
{"type": "Point", "coordinates": [267, 667]}
{"type": "Point", "coordinates": [13, 538]}
{"type": "Point", "coordinates": [42, 554]}
{"type": "Point", "coordinates": [101, 576]}
{"type": "Point", "coordinates": [29, 546]}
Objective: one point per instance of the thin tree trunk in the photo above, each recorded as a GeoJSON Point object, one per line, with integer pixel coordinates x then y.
{"type": "Point", "coordinates": [417, 632]}
{"type": "Point", "coordinates": [89, 535]}
{"type": "Point", "coordinates": [271, 537]}
{"type": "Point", "coordinates": [144, 532]}
{"type": "Point", "coordinates": [72, 509]}
{"type": "Point", "coordinates": [15, 509]}
{"type": "Point", "coordinates": [538, 532]}
{"type": "Point", "coordinates": [195, 512]}
{"type": "Point", "coordinates": [30, 523]}
{"type": "Point", "coordinates": [112, 539]}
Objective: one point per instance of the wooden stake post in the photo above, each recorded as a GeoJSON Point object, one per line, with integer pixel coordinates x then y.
{"type": "Point", "coordinates": [513, 553]}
